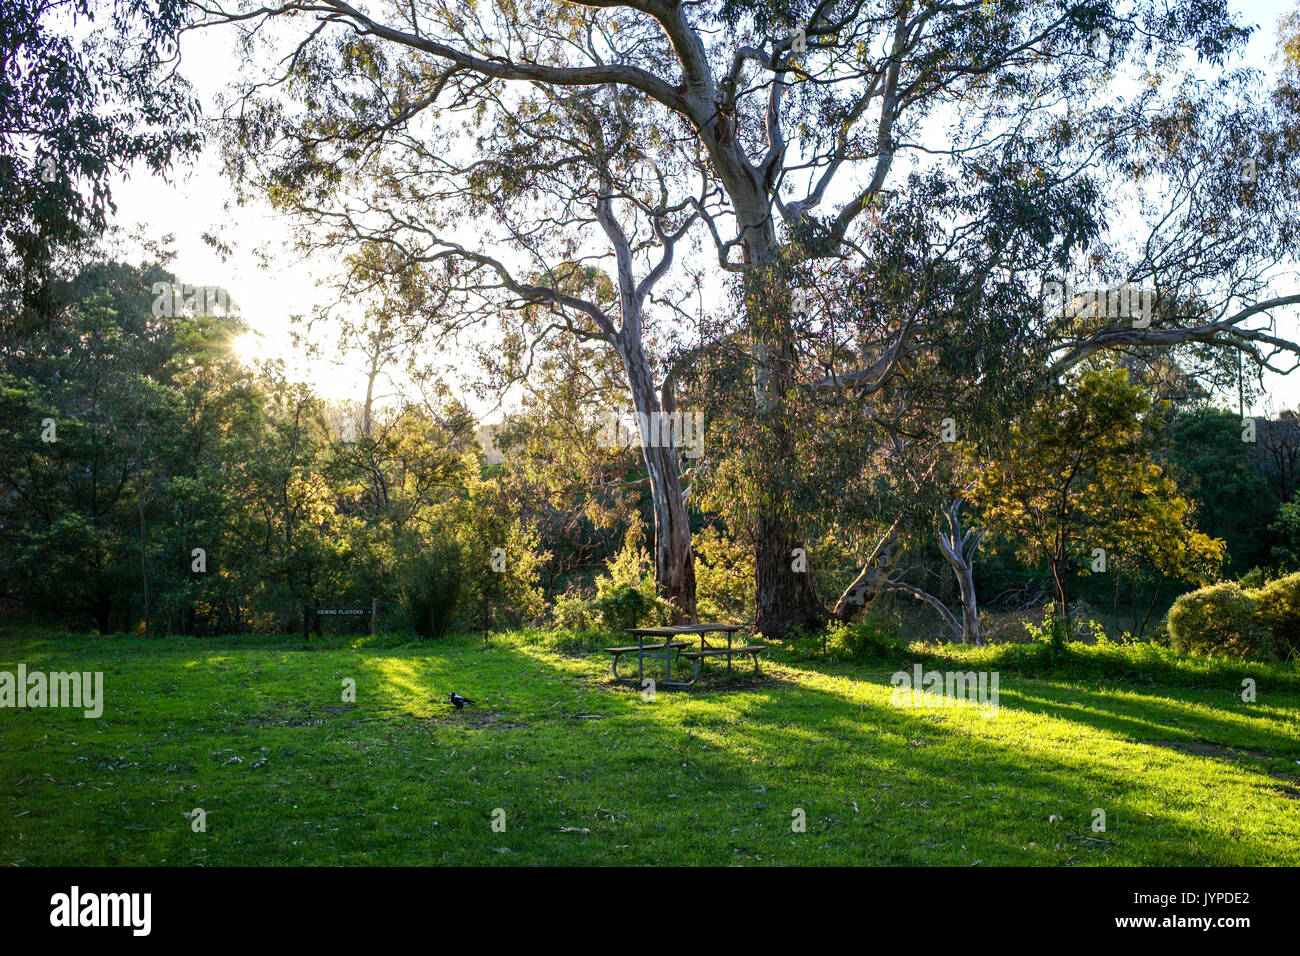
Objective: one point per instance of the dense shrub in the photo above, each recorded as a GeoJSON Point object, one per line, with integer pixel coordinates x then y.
{"type": "Point", "coordinates": [625, 607]}
{"type": "Point", "coordinates": [571, 611]}
{"type": "Point", "coordinates": [1220, 621]}
{"type": "Point", "coordinates": [501, 559]}
{"type": "Point", "coordinates": [724, 577]}
{"type": "Point", "coordinates": [867, 637]}
{"type": "Point", "coordinates": [1277, 607]}
{"type": "Point", "coordinates": [625, 596]}
{"type": "Point", "coordinates": [431, 590]}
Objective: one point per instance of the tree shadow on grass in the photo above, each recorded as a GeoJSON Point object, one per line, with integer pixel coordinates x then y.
{"type": "Point", "coordinates": [1182, 726]}
{"type": "Point", "coordinates": [697, 778]}
{"type": "Point", "coordinates": [718, 777]}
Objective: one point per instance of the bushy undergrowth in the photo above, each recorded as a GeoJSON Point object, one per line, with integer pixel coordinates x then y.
{"type": "Point", "coordinates": [1048, 656]}
{"type": "Point", "coordinates": [724, 577]}
{"type": "Point", "coordinates": [431, 591]}
{"type": "Point", "coordinates": [1140, 662]}
{"type": "Point", "coordinates": [625, 597]}
{"type": "Point", "coordinates": [866, 638]}
{"type": "Point", "coordinates": [1228, 620]}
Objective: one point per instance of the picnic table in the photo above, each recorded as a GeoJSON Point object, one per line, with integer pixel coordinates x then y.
{"type": "Point", "coordinates": [663, 639]}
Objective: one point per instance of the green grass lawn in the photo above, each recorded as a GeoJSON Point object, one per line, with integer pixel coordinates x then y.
{"type": "Point", "coordinates": [255, 733]}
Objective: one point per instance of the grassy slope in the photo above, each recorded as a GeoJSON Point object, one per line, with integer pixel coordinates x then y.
{"type": "Point", "coordinates": [1187, 775]}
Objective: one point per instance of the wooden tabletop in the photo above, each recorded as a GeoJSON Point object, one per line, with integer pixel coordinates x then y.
{"type": "Point", "coordinates": [673, 630]}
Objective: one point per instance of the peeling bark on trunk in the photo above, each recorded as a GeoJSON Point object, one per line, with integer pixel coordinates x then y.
{"type": "Point", "coordinates": [674, 559]}
{"type": "Point", "coordinates": [871, 580]}
{"type": "Point", "coordinates": [959, 549]}
{"type": "Point", "coordinates": [785, 593]}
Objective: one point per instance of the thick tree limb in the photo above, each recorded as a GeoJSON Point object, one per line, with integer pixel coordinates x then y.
{"type": "Point", "coordinates": [948, 617]}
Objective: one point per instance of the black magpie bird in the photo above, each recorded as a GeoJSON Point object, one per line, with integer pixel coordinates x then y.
{"type": "Point", "coordinates": [459, 702]}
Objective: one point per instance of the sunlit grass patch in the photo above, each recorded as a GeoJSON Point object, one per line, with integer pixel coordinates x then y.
{"type": "Point", "coordinates": [587, 771]}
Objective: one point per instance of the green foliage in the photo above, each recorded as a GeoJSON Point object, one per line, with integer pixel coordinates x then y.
{"type": "Point", "coordinates": [1215, 471]}
{"type": "Point", "coordinates": [80, 107]}
{"type": "Point", "coordinates": [573, 612]}
{"type": "Point", "coordinates": [1220, 620]}
{"type": "Point", "coordinates": [724, 576]}
{"type": "Point", "coordinates": [1079, 475]}
{"type": "Point", "coordinates": [431, 590]}
{"type": "Point", "coordinates": [1278, 609]}
{"type": "Point", "coordinates": [625, 606]}
{"type": "Point", "coordinates": [489, 531]}
{"type": "Point", "coordinates": [174, 445]}
{"type": "Point", "coordinates": [1285, 530]}
{"type": "Point", "coordinates": [625, 594]}
{"type": "Point", "coordinates": [1052, 633]}
{"type": "Point", "coordinates": [556, 472]}
{"type": "Point", "coordinates": [869, 636]}
{"type": "Point", "coordinates": [631, 567]}
{"type": "Point", "coordinates": [1255, 578]}
{"type": "Point", "coordinates": [1234, 621]}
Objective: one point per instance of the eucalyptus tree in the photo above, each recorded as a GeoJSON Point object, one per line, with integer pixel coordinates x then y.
{"type": "Point", "coordinates": [88, 88]}
{"type": "Point", "coordinates": [1181, 278]}
{"type": "Point", "coordinates": [513, 220]}
{"type": "Point", "coordinates": [802, 117]}
{"type": "Point", "coordinates": [595, 170]}
{"type": "Point", "coordinates": [944, 314]}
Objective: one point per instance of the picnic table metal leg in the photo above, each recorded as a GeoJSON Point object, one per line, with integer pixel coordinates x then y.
{"type": "Point", "coordinates": [617, 658]}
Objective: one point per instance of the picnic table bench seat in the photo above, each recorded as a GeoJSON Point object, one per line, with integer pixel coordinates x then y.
{"type": "Point", "coordinates": [753, 650]}
{"type": "Point", "coordinates": [645, 647]}
{"type": "Point", "coordinates": [640, 650]}
{"type": "Point", "coordinates": [672, 649]}
{"type": "Point", "coordinates": [710, 651]}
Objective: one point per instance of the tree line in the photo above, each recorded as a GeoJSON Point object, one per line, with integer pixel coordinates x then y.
{"type": "Point", "coordinates": [152, 481]}
{"type": "Point", "coordinates": [886, 191]}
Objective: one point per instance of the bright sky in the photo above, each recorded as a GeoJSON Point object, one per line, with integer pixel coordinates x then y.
{"type": "Point", "coordinates": [193, 203]}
